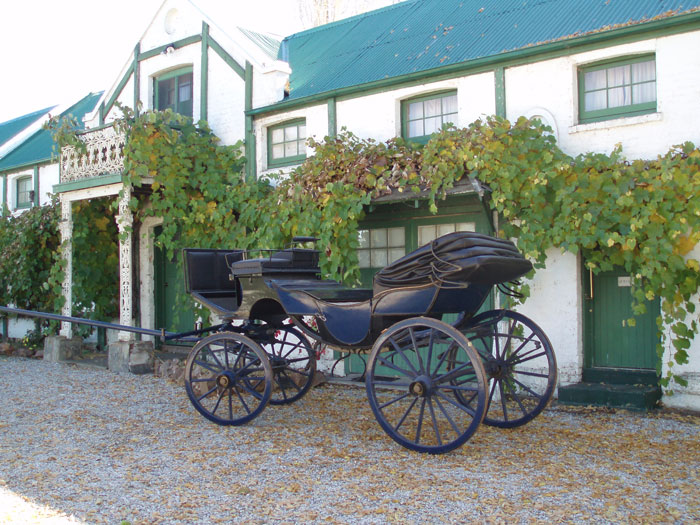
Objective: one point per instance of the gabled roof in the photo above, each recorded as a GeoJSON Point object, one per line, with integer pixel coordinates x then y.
{"type": "Point", "coordinates": [269, 45]}
{"type": "Point", "coordinates": [12, 127]}
{"type": "Point", "coordinates": [423, 35]}
{"type": "Point", "coordinates": [39, 147]}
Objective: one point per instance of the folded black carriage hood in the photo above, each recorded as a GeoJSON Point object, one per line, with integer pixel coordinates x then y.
{"type": "Point", "coordinates": [457, 258]}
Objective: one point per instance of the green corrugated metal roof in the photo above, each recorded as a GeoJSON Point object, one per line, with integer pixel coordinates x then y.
{"type": "Point", "coordinates": [39, 147]}
{"type": "Point", "coordinates": [422, 35]}
{"type": "Point", "coordinates": [12, 127]}
{"type": "Point", "coordinates": [267, 43]}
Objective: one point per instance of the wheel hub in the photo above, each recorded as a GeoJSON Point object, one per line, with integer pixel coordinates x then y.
{"type": "Point", "coordinates": [496, 368]}
{"type": "Point", "coordinates": [421, 387]}
{"type": "Point", "coordinates": [226, 380]}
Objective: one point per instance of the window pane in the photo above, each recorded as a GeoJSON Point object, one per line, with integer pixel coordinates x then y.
{"type": "Point", "coordinates": [302, 131]}
{"type": "Point", "coordinates": [596, 100]}
{"type": "Point", "coordinates": [432, 125]}
{"type": "Point", "coordinates": [396, 237]}
{"type": "Point", "coordinates": [363, 258]}
{"type": "Point", "coordinates": [378, 238]}
{"type": "Point", "coordinates": [595, 80]}
{"type": "Point", "coordinates": [466, 227]}
{"type": "Point", "coordinates": [395, 254]}
{"type": "Point", "coordinates": [185, 88]}
{"type": "Point", "coordinates": [415, 128]}
{"type": "Point", "coordinates": [379, 258]}
{"type": "Point", "coordinates": [449, 104]}
{"type": "Point", "coordinates": [644, 92]}
{"type": "Point", "coordinates": [444, 229]}
{"type": "Point", "coordinates": [166, 93]}
{"type": "Point", "coordinates": [415, 110]}
{"type": "Point", "coordinates": [644, 71]}
{"type": "Point", "coordinates": [363, 238]}
{"type": "Point", "coordinates": [290, 133]}
{"type": "Point", "coordinates": [618, 76]}
{"type": "Point", "coordinates": [432, 107]}
{"type": "Point", "coordinates": [619, 96]}
{"type": "Point", "coordinates": [278, 151]}
{"type": "Point", "coordinates": [426, 234]}
{"type": "Point", "coordinates": [301, 145]}
{"type": "Point", "coordinates": [277, 135]}
{"type": "Point", "coordinates": [290, 149]}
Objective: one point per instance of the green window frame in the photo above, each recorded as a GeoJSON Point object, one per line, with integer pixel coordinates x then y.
{"type": "Point", "coordinates": [424, 115]}
{"type": "Point", "coordinates": [24, 192]}
{"type": "Point", "coordinates": [617, 88]}
{"type": "Point", "coordinates": [175, 90]}
{"type": "Point", "coordinates": [286, 143]}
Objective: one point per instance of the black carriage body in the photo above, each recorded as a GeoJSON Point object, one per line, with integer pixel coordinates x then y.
{"type": "Point", "coordinates": [453, 274]}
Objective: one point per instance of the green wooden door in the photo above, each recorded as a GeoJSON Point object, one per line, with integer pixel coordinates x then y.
{"type": "Point", "coordinates": [169, 282]}
{"type": "Point", "coordinates": [611, 341]}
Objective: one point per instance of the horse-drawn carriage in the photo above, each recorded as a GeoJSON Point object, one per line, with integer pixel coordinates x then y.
{"type": "Point", "coordinates": [430, 383]}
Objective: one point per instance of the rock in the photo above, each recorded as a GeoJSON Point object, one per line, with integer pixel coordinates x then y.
{"type": "Point", "coordinates": [39, 354]}
{"type": "Point", "coordinates": [6, 349]}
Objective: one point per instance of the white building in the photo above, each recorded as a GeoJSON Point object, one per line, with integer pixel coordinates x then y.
{"type": "Point", "coordinates": [599, 73]}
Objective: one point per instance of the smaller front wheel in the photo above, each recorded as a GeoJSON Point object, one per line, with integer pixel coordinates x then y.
{"type": "Point", "coordinates": [412, 391]}
{"type": "Point", "coordinates": [228, 378]}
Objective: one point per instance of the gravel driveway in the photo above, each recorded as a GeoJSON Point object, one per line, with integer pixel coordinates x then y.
{"type": "Point", "coordinates": [88, 446]}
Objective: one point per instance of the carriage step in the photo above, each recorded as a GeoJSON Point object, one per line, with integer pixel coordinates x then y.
{"type": "Point", "coordinates": [631, 397]}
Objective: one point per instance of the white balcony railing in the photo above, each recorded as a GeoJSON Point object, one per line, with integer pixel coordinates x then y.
{"type": "Point", "coordinates": [105, 156]}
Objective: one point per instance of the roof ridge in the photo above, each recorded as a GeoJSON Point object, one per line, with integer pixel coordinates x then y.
{"type": "Point", "coordinates": [403, 3]}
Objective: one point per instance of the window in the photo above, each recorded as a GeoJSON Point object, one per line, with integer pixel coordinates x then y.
{"type": "Point", "coordinates": [174, 90]}
{"type": "Point", "coordinates": [429, 232]}
{"type": "Point", "coordinates": [423, 116]}
{"type": "Point", "coordinates": [25, 192]}
{"type": "Point", "coordinates": [286, 143]}
{"type": "Point", "coordinates": [617, 89]}
{"type": "Point", "coordinates": [380, 246]}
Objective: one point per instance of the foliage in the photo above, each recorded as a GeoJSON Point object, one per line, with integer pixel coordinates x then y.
{"type": "Point", "coordinates": [640, 215]}
{"type": "Point", "coordinates": [29, 245]}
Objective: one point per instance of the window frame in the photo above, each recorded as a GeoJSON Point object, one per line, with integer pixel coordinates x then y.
{"type": "Point", "coordinates": [176, 74]}
{"type": "Point", "coordinates": [631, 110]}
{"type": "Point", "coordinates": [293, 159]}
{"type": "Point", "coordinates": [28, 203]}
{"type": "Point", "coordinates": [423, 139]}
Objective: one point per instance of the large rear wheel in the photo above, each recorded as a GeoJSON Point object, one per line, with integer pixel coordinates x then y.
{"type": "Point", "coordinates": [520, 365]}
{"type": "Point", "coordinates": [412, 391]}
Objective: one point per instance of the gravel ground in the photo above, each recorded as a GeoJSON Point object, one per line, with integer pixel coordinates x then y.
{"type": "Point", "coordinates": [88, 446]}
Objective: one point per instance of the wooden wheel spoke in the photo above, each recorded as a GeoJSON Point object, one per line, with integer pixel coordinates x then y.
{"type": "Point", "coordinates": [206, 365]}
{"type": "Point", "coordinates": [517, 397]}
{"type": "Point", "coordinates": [434, 420]}
{"type": "Point", "coordinates": [207, 394]}
{"type": "Point", "coordinates": [527, 388]}
{"type": "Point", "coordinates": [420, 421]}
{"type": "Point", "coordinates": [447, 416]}
{"type": "Point", "coordinates": [461, 406]}
{"type": "Point", "coordinates": [405, 415]}
{"type": "Point", "coordinates": [401, 352]}
{"type": "Point", "coordinates": [218, 401]}
{"type": "Point", "coordinates": [390, 364]}
{"type": "Point", "coordinates": [395, 400]}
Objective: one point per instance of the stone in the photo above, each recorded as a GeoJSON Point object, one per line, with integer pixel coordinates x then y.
{"type": "Point", "coordinates": [134, 357]}
{"type": "Point", "coordinates": [59, 348]}
{"type": "Point", "coordinates": [6, 349]}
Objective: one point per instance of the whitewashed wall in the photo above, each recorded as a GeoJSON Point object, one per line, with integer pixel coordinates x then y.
{"type": "Point", "coordinates": [552, 85]}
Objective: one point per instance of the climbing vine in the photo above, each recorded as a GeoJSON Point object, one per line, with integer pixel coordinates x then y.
{"type": "Point", "coordinates": [643, 216]}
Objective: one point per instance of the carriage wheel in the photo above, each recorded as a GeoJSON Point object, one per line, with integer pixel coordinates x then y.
{"type": "Point", "coordinates": [519, 363]}
{"type": "Point", "coordinates": [228, 378]}
{"type": "Point", "coordinates": [411, 392]}
{"type": "Point", "coordinates": [293, 363]}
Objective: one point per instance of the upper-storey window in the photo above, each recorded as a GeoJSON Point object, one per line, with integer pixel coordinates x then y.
{"type": "Point", "coordinates": [174, 90]}
{"type": "Point", "coordinates": [25, 193]}
{"type": "Point", "coordinates": [286, 143]}
{"type": "Point", "coordinates": [617, 89]}
{"type": "Point", "coordinates": [423, 116]}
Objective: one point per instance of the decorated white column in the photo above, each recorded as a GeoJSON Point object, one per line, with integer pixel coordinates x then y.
{"type": "Point", "coordinates": [125, 222]}
{"type": "Point", "coordinates": [66, 229]}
